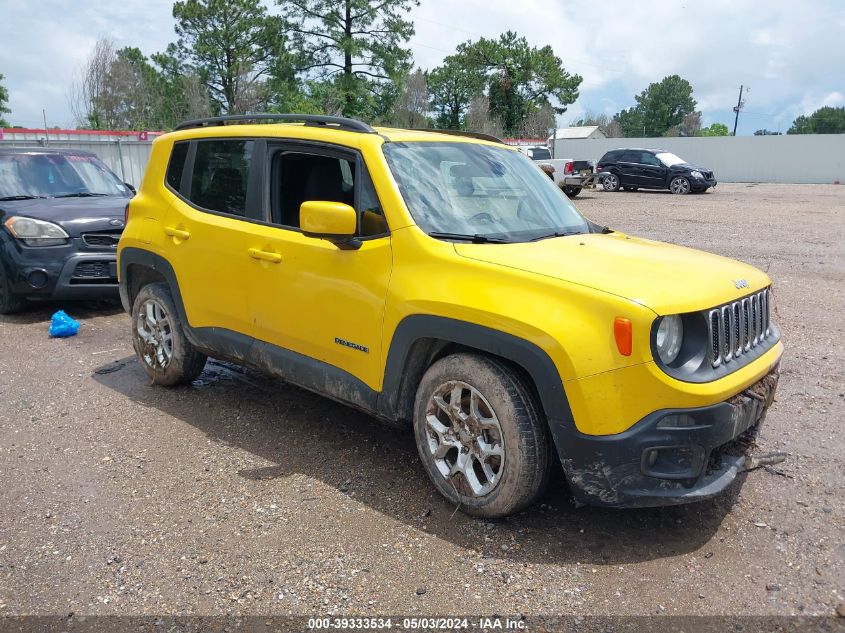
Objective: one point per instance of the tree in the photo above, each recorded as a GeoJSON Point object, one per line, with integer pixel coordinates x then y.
{"type": "Point", "coordinates": [715, 129]}
{"type": "Point", "coordinates": [538, 123]}
{"type": "Point", "coordinates": [826, 120]}
{"type": "Point", "coordinates": [452, 88]}
{"type": "Point", "coordinates": [608, 124]}
{"type": "Point", "coordinates": [520, 79]}
{"type": "Point", "coordinates": [234, 45]}
{"type": "Point", "coordinates": [660, 107]}
{"type": "Point", "coordinates": [411, 109]}
{"type": "Point", "coordinates": [91, 100]}
{"type": "Point", "coordinates": [479, 118]}
{"type": "Point", "coordinates": [356, 46]}
{"type": "Point", "coordinates": [765, 132]}
{"type": "Point", "coordinates": [4, 99]}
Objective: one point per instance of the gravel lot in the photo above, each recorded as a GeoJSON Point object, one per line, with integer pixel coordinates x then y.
{"type": "Point", "coordinates": [244, 495]}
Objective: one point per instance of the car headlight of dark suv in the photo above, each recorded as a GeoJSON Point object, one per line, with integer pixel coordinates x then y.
{"type": "Point", "coordinates": [33, 232]}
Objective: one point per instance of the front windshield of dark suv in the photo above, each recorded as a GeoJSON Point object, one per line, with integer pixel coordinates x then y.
{"type": "Point", "coordinates": [53, 175]}
{"type": "Point", "coordinates": [480, 192]}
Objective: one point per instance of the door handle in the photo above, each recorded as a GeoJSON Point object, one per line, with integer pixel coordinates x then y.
{"type": "Point", "coordinates": [257, 253]}
{"type": "Point", "coordinates": [177, 233]}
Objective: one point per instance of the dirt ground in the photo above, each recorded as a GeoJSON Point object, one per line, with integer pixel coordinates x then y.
{"type": "Point", "coordinates": [241, 494]}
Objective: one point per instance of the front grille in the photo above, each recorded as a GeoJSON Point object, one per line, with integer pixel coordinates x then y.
{"type": "Point", "coordinates": [101, 240]}
{"type": "Point", "coordinates": [738, 327]}
{"type": "Point", "coordinates": [93, 272]}
{"type": "Point", "coordinates": [708, 175]}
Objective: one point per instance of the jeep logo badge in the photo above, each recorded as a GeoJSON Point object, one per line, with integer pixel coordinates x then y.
{"type": "Point", "coordinates": [740, 283]}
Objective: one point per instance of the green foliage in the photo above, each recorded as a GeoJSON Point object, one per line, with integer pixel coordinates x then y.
{"type": "Point", "coordinates": [765, 132]}
{"type": "Point", "coordinates": [716, 129]}
{"type": "Point", "coordinates": [4, 99]}
{"type": "Point", "coordinates": [520, 79]}
{"type": "Point", "coordinates": [351, 49]}
{"type": "Point", "coordinates": [452, 87]}
{"type": "Point", "coordinates": [235, 46]}
{"type": "Point", "coordinates": [659, 108]}
{"type": "Point", "coordinates": [826, 120]}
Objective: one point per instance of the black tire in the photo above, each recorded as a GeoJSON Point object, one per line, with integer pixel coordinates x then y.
{"type": "Point", "coordinates": [572, 191]}
{"type": "Point", "coordinates": [524, 465]}
{"type": "Point", "coordinates": [184, 363]}
{"type": "Point", "coordinates": [611, 182]}
{"type": "Point", "coordinates": [680, 185]}
{"type": "Point", "coordinates": [10, 303]}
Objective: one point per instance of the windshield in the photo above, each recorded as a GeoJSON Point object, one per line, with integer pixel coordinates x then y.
{"type": "Point", "coordinates": [478, 190]}
{"type": "Point", "coordinates": [669, 159]}
{"type": "Point", "coordinates": [37, 175]}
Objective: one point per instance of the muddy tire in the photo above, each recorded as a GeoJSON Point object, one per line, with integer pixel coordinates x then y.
{"type": "Point", "coordinates": [10, 303]}
{"type": "Point", "coordinates": [159, 339]}
{"type": "Point", "coordinates": [480, 435]}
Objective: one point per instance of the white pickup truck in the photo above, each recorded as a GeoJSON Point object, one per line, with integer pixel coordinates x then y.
{"type": "Point", "coordinates": [568, 174]}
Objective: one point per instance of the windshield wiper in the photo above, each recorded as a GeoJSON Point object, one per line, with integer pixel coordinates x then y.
{"type": "Point", "coordinates": [6, 198]}
{"type": "Point", "coordinates": [477, 238]}
{"type": "Point", "coordinates": [81, 194]}
{"type": "Point", "coordinates": [554, 234]}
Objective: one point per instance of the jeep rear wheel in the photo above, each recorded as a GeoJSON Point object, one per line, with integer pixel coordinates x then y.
{"type": "Point", "coordinates": [159, 340]}
{"type": "Point", "coordinates": [480, 435]}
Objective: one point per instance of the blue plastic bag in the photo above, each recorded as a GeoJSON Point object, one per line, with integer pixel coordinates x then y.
{"type": "Point", "coordinates": [62, 325]}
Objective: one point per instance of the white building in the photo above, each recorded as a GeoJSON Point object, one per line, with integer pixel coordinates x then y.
{"type": "Point", "coordinates": [579, 132]}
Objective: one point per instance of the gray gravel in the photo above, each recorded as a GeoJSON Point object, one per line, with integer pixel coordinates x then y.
{"type": "Point", "coordinates": [241, 494]}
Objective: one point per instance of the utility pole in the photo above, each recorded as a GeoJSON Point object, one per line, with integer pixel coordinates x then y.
{"type": "Point", "coordinates": [46, 132]}
{"type": "Point", "coordinates": [737, 108]}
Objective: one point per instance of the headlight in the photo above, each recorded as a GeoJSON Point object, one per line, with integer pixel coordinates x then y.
{"type": "Point", "coordinates": [34, 232]}
{"type": "Point", "coordinates": [696, 174]}
{"type": "Point", "coordinates": [670, 336]}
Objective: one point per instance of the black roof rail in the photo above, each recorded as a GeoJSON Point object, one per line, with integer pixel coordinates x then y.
{"type": "Point", "coordinates": [316, 120]}
{"type": "Point", "coordinates": [467, 133]}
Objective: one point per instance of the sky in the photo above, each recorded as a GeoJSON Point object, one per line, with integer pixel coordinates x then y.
{"type": "Point", "coordinates": [789, 54]}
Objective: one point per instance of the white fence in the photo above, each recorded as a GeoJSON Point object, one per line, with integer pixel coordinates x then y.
{"type": "Point", "coordinates": [127, 159]}
{"type": "Point", "coordinates": [799, 158]}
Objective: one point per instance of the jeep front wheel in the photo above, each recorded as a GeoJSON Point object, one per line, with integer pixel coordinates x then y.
{"type": "Point", "coordinates": [480, 435]}
{"type": "Point", "coordinates": [159, 340]}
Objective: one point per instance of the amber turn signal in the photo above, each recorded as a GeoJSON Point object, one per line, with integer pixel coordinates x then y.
{"type": "Point", "coordinates": [623, 334]}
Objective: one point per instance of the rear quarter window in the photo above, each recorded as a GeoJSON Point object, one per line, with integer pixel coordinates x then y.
{"type": "Point", "coordinates": [176, 166]}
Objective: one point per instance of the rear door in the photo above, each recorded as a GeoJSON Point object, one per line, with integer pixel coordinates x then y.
{"type": "Point", "coordinates": [629, 168]}
{"type": "Point", "coordinates": [209, 228]}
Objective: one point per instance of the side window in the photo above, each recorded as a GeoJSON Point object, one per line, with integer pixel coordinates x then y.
{"type": "Point", "coordinates": [630, 157]}
{"type": "Point", "coordinates": [220, 175]}
{"type": "Point", "coordinates": [177, 165]}
{"type": "Point", "coordinates": [299, 177]}
{"type": "Point", "coordinates": [648, 158]}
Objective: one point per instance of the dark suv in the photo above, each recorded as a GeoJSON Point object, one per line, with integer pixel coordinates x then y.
{"type": "Point", "coordinates": [632, 169]}
{"type": "Point", "coordinates": [61, 216]}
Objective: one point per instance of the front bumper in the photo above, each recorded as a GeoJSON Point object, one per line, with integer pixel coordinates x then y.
{"type": "Point", "coordinates": [670, 457]}
{"type": "Point", "coordinates": [71, 271]}
{"type": "Point", "coordinates": [702, 184]}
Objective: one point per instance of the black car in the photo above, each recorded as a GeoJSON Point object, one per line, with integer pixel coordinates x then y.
{"type": "Point", "coordinates": [61, 215]}
{"type": "Point", "coordinates": [632, 169]}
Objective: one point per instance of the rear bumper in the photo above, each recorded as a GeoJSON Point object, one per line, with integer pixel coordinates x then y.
{"type": "Point", "coordinates": [670, 457]}
{"type": "Point", "coordinates": [59, 272]}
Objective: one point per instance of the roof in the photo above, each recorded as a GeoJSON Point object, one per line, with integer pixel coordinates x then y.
{"type": "Point", "coordinates": [583, 131]}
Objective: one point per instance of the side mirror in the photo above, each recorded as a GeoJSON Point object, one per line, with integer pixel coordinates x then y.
{"type": "Point", "coordinates": [130, 187]}
{"type": "Point", "coordinates": [332, 221]}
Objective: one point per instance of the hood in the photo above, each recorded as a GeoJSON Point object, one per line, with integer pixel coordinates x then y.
{"type": "Point", "coordinates": [686, 167]}
{"type": "Point", "coordinates": [666, 278]}
{"type": "Point", "coordinates": [74, 215]}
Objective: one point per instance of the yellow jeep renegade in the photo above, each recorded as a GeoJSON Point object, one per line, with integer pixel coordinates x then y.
{"type": "Point", "coordinates": [442, 282]}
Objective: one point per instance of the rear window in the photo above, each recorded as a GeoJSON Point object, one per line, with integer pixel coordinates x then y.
{"type": "Point", "coordinates": [539, 153]}
{"type": "Point", "coordinates": [177, 165]}
{"type": "Point", "coordinates": [220, 176]}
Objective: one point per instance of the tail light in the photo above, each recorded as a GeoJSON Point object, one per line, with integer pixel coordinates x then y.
{"type": "Point", "coordinates": [568, 168]}
{"type": "Point", "coordinates": [598, 168]}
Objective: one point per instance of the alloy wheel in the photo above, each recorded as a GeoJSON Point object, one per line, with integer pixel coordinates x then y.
{"type": "Point", "coordinates": [156, 332]}
{"type": "Point", "coordinates": [680, 186]}
{"type": "Point", "coordinates": [465, 438]}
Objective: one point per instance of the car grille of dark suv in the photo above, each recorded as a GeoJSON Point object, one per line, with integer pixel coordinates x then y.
{"type": "Point", "coordinates": [95, 272]}
{"type": "Point", "coordinates": [101, 240]}
{"type": "Point", "coordinates": [738, 327]}
{"type": "Point", "coordinates": [708, 175]}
